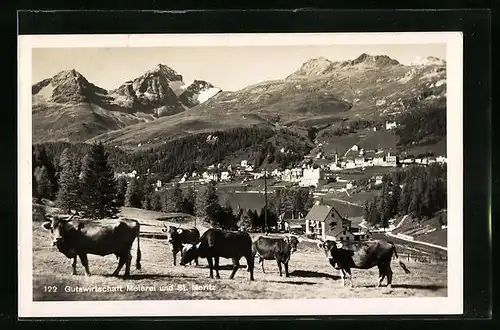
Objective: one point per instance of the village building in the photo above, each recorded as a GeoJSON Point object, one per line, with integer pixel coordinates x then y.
{"type": "Point", "coordinates": [378, 180]}
{"type": "Point", "coordinates": [292, 222]}
{"type": "Point", "coordinates": [311, 177]}
{"type": "Point", "coordinates": [325, 222]}
{"type": "Point", "coordinates": [390, 125]}
{"type": "Point", "coordinates": [359, 161]}
{"type": "Point", "coordinates": [391, 160]}
{"type": "Point", "coordinates": [355, 148]}
{"type": "Point", "coordinates": [225, 176]}
{"type": "Point", "coordinates": [378, 161]}
{"type": "Point", "coordinates": [334, 167]}
{"type": "Point", "coordinates": [349, 164]}
{"type": "Point", "coordinates": [244, 163]}
{"type": "Point", "coordinates": [441, 159]}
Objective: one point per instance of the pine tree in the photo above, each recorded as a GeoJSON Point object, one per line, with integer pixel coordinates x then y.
{"type": "Point", "coordinates": [68, 196]}
{"type": "Point", "coordinates": [40, 159]}
{"type": "Point", "coordinates": [156, 203]}
{"type": "Point", "coordinates": [207, 202]}
{"type": "Point", "coordinates": [133, 194]}
{"type": "Point", "coordinates": [405, 197]}
{"type": "Point", "coordinates": [228, 208]}
{"type": "Point", "coordinates": [98, 189]}
{"type": "Point", "coordinates": [147, 195]}
{"type": "Point", "coordinates": [188, 201]}
{"type": "Point", "coordinates": [34, 187]}
{"type": "Point", "coordinates": [121, 188]}
{"type": "Point", "coordinates": [174, 199]}
{"type": "Point", "coordinates": [43, 184]}
{"type": "Point", "coordinates": [416, 201]}
{"type": "Point", "coordinates": [245, 221]}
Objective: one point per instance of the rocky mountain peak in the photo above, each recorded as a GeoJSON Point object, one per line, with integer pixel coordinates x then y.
{"type": "Point", "coordinates": [164, 71]}
{"type": "Point", "coordinates": [373, 60]}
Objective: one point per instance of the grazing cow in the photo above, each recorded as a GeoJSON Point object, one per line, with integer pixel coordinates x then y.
{"type": "Point", "coordinates": [362, 255]}
{"type": "Point", "coordinates": [77, 239]}
{"type": "Point", "coordinates": [274, 248]}
{"type": "Point", "coordinates": [178, 236]}
{"type": "Point", "coordinates": [216, 243]}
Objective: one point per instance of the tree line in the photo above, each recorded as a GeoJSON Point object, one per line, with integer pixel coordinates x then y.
{"type": "Point", "coordinates": [89, 185]}
{"type": "Point", "coordinates": [190, 153]}
{"type": "Point", "coordinates": [421, 126]}
{"type": "Point", "coordinates": [417, 191]}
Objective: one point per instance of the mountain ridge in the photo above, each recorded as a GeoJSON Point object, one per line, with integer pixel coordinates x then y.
{"type": "Point", "coordinates": [320, 92]}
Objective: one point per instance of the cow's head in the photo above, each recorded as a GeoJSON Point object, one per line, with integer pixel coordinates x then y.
{"type": "Point", "coordinates": [293, 242]}
{"type": "Point", "coordinates": [173, 235]}
{"type": "Point", "coordinates": [189, 252]}
{"type": "Point", "coordinates": [329, 248]}
{"type": "Point", "coordinates": [56, 228]}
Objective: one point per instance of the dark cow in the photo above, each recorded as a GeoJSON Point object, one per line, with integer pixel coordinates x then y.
{"type": "Point", "coordinates": [274, 248]}
{"type": "Point", "coordinates": [178, 236]}
{"type": "Point", "coordinates": [216, 243]}
{"type": "Point", "coordinates": [77, 239]}
{"type": "Point", "coordinates": [362, 255]}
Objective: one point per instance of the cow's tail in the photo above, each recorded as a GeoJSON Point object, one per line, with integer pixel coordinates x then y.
{"type": "Point", "coordinates": [138, 256]}
{"type": "Point", "coordinates": [407, 271]}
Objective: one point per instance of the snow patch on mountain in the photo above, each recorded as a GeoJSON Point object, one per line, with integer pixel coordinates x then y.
{"type": "Point", "coordinates": [207, 94]}
{"type": "Point", "coordinates": [429, 60]}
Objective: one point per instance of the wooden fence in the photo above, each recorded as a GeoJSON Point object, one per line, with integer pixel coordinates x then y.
{"type": "Point", "coordinates": [421, 257]}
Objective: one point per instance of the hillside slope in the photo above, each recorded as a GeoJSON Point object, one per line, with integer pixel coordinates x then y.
{"type": "Point", "coordinates": [319, 94]}
{"type": "Point", "coordinates": [67, 107]}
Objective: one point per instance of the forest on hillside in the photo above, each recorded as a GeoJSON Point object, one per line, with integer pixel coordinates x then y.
{"type": "Point", "coordinates": [192, 153]}
{"type": "Point", "coordinates": [417, 191]}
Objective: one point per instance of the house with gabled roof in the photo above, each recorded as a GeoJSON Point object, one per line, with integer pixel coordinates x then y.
{"type": "Point", "coordinates": [325, 221]}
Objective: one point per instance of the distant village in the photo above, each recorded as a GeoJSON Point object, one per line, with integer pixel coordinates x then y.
{"type": "Point", "coordinates": [308, 174]}
{"type": "Point", "coordinates": [315, 171]}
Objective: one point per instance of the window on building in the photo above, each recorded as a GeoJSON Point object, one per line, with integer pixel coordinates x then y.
{"type": "Point", "coordinates": [347, 238]}
{"type": "Point", "coordinates": [341, 238]}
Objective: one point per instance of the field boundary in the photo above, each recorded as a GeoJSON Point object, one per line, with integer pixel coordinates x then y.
{"type": "Point", "coordinates": [417, 242]}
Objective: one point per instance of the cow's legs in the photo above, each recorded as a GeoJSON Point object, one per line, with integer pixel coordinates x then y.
{"type": "Point", "coordinates": [279, 265]}
{"type": "Point", "coordinates": [216, 265]}
{"type": "Point", "coordinates": [85, 263]}
{"type": "Point", "coordinates": [127, 264]}
{"type": "Point", "coordinates": [348, 271]}
{"type": "Point", "coordinates": [381, 273]}
{"type": "Point", "coordinates": [236, 265]}
{"type": "Point", "coordinates": [121, 262]}
{"type": "Point", "coordinates": [211, 266]}
{"type": "Point", "coordinates": [73, 265]}
{"type": "Point", "coordinates": [250, 265]}
{"type": "Point", "coordinates": [389, 276]}
{"type": "Point", "coordinates": [286, 269]}
{"type": "Point", "coordinates": [261, 261]}
{"type": "Point", "coordinates": [343, 276]}
{"type": "Point", "coordinates": [196, 261]}
{"type": "Point", "coordinates": [174, 255]}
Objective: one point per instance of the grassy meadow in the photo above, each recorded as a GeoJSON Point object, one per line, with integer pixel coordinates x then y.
{"type": "Point", "coordinates": [310, 275]}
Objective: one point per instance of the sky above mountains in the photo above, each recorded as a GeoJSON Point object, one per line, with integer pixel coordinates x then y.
{"type": "Point", "coordinates": [229, 68]}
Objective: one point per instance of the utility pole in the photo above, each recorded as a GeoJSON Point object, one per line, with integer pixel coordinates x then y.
{"type": "Point", "coordinates": [194, 201]}
{"type": "Point", "coordinates": [265, 199]}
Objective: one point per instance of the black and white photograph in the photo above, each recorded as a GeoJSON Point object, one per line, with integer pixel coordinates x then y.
{"type": "Point", "coordinates": [240, 174]}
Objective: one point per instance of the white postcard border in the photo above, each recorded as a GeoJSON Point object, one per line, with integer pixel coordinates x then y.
{"type": "Point", "coordinates": [452, 304]}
